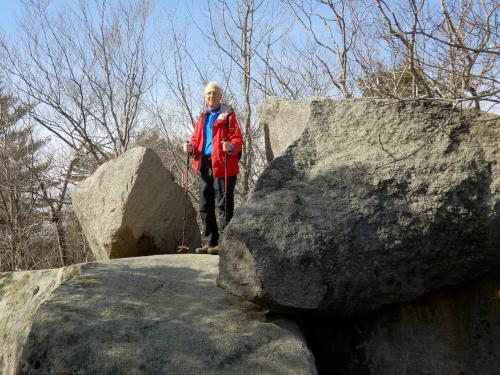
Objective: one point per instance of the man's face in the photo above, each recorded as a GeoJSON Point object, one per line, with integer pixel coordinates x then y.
{"type": "Point", "coordinates": [212, 97]}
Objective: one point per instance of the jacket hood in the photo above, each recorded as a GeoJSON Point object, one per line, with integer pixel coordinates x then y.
{"type": "Point", "coordinates": [225, 110]}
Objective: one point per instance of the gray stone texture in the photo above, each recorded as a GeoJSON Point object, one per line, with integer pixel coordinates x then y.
{"type": "Point", "coordinates": [454, 331]}
{"type": "Point", "coordinates": [147, 315]}
{"type": "Point", "coordinates": [377, 202]}
{"type": "Point", "coordinates": [131, 206]}
{"type": "Point", "coordinates": [21, 293]}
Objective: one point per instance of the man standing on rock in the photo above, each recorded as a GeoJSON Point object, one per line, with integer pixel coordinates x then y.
{"type": "Point", "coordinates": [215, 144]}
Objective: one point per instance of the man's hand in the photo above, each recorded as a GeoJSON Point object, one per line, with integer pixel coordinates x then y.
{"type": "Point", "coordinates": [227, 146]}
{"type": "Point", "coordinates": [188, 149]}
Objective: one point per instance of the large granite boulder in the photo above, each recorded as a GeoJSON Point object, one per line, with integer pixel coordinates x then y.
{"type": "Point", "coordinates": [131, 206]}
{"type": "Point", "coordinates": [378, 201]}
{"type": "Point", "coordinates": [147, 315]}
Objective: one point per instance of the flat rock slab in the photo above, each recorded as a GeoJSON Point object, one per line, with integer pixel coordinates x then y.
{"type": "Point", "coordinates": [157, 315]}
{"type": "Point", "coordinates": [377, 202]}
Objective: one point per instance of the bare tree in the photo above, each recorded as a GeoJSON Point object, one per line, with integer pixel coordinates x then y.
{"type": "Point", "coordinates": [182, 72]}
{"type": "Point", "coordinates": [85, 87]}
{"type": "Point", "coordinates": [332, 27]}
{"type": "Point", "coordinates": [450, 51]}
{"type": "Point", "coordinates": [56, 204]}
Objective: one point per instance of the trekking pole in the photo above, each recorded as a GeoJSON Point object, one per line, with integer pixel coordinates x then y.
{"type": "Point", "coordinates": [225, 188]}
{"type": "Point", "coordinates": [183, 248]}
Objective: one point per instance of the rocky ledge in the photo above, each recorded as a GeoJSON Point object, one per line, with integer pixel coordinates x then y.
{"type": "Point", "coordinates": [148, 315]}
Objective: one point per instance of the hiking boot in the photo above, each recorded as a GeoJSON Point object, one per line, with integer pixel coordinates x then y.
{"type": "Point", "coordinates": [202, 250]}
{"type": "Point", "coordinates": [213, 250]}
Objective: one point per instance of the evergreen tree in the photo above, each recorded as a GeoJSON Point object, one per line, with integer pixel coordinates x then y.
{"type": "Point", "coordinates": [20, 216]}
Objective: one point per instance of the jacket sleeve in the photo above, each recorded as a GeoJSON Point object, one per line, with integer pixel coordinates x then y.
{"type": "Point", "coordinates": [194, 137]}
{"type": "Point", "coordinates": [235, 136]}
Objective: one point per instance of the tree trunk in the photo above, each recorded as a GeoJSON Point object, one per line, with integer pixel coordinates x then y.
{"type": "Point", "coordinates": [14, 254]}
{"type": "Point", "coordinates": [246, 42]}
{"type": "Point", "coordinates": [61, 241]}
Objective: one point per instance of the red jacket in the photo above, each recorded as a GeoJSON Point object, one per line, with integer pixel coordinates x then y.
{"type": "Point", "coordinates": [225, 128]}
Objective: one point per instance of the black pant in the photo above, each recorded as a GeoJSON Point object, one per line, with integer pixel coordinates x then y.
{"type": "Point", "coordinates": [211, 192]}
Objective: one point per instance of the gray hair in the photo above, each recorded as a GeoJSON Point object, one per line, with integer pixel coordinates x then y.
{"type": "Point", "coordinates": [214, 84]}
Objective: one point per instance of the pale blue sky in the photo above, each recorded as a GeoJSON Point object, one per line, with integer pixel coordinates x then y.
{"type": "Point", "coordinates": [11, 9]}
{"type": "Point", "coordinates": [8, 10]}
